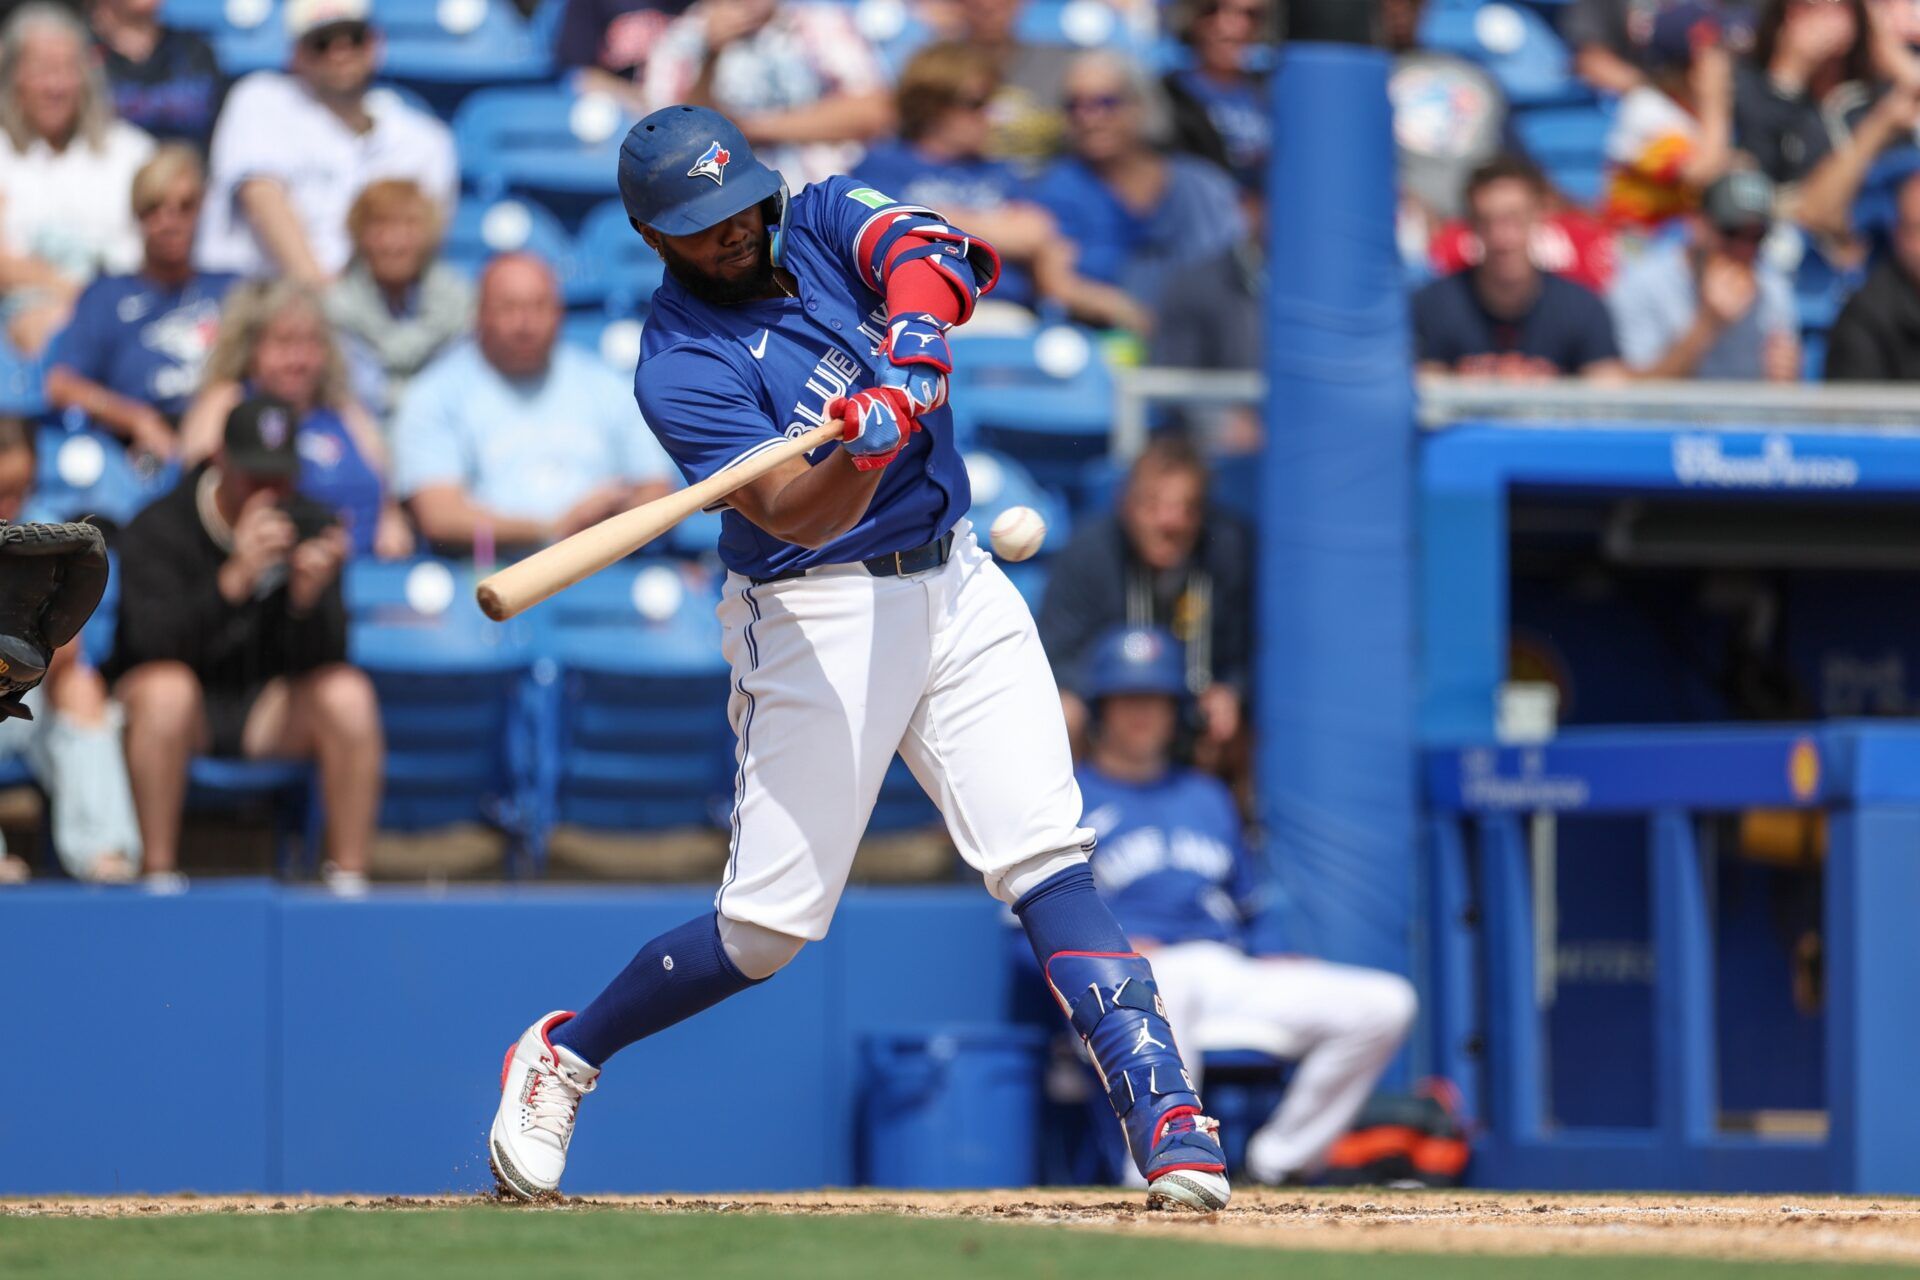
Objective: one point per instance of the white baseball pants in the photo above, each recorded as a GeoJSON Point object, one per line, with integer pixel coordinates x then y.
{"type": "Point", "coordinates": [1340, 1025]}
{"type": "Point", "coordinates": [835, 672]}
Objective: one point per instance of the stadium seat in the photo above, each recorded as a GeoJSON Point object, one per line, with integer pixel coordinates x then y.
{"type": "Point", "coordinates": [484, 227]}
{"type": "Point", "coordinates": [998, 482]}
{"type": "Point", "coordinates": [1515, 43]}
{"type": "Point", "coordinates": [430, 44]}
{"type": "Point", "coordinates": [83, 471]}
{"type": "Point", "coordinates": [1046, 399]}
{"type": "Point", "coordinates": [423, 592]}
{"type": "Point", "coordinates": [207, 17]}
{"type": "Point", "coordinates": [456, 708]}
{"type": "Point", "coordinates": [1569, 143]}
{"type": "Point", "coordinates": [285, 788]}
{"type": "Point", "coordinates": [640, 739]}
{"type": "Point", "coordinates": [613, 339]}
{"type": "Point", "coordinates": [1076, 24]}
{"type": "Point", "coordinates": [460, 42]}
{"type": "Point", "coordinates": [625, 270]}
{"type": "Point", "coordinates": [546, 139]}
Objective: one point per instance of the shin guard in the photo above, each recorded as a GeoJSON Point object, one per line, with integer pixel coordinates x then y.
{"type": "Point", "coordinates": [1115, 1008]}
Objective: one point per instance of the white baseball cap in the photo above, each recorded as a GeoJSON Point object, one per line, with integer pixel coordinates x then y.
{"type": "Point", "coordinates": [303, 16]}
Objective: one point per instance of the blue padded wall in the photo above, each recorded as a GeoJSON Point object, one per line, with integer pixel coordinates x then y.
{"type": "Point", "coordinates": [244, 1037]}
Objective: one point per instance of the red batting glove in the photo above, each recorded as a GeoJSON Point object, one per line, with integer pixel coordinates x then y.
{"type": "Point", "coordinates": [878, 423]}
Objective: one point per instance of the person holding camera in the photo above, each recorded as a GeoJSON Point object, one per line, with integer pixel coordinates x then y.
{"type": "Point", "coordinates": [275, 340]}
{"type": "Point", "coordinates": [232, 641]}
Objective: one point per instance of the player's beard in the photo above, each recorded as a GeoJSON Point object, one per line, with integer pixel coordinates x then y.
{"type": "Point", "coordinates": [725, 291]}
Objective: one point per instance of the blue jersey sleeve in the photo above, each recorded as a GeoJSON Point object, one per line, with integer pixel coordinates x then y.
{"type": "Point", "coordinates": [845, 207]}
{"type": "Point", "coordinates": [84, 345]}
{"type": "Point", "coordinates": [701, 411]}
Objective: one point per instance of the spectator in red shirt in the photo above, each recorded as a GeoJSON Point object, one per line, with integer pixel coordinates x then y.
{"type": "Point", "coordinates": [1504, 317]}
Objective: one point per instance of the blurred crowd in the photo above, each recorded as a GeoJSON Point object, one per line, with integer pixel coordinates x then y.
{"type": "Point", "coordinates": [1748, 146]}
{"type": "Point", "coordinates": [241, 285]}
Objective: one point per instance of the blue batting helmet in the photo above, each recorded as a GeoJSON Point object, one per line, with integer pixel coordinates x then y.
{"type": "Point", "coordinates": [1134, 660]}
{"type": "Point", "coordinates": [682, 169]}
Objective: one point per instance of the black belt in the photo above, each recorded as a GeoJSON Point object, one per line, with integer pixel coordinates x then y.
{"type": "Point", "coordinates": [896, 564]}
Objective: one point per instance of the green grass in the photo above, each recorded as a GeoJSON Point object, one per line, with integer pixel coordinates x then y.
{"type": "Point", "coordinates": [482, 1241]}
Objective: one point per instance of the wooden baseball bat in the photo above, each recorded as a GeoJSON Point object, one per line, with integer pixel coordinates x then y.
{"type": "Point", "coordinates": [520, 586]}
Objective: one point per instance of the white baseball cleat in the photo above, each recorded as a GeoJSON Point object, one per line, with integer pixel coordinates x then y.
{"type": "Point", "coordinates": [1194, 1189]}
{"type": "Point", "coordinates": [541, 1085]}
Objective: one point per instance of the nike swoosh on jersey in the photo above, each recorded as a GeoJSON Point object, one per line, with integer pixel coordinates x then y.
{"type": "Point", "coordinates": [760, 348]}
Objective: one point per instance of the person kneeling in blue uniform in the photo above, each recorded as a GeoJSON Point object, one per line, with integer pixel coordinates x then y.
{"type": "Point", "coordinates": [1173, 865]}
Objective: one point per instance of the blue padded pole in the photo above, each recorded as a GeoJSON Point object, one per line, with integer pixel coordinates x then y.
{"type": "Point", "coordinates": [1335, 711]}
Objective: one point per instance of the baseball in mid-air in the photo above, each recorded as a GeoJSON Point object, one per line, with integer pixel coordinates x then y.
{"type": "Point", "coordinates": [1017, 533]}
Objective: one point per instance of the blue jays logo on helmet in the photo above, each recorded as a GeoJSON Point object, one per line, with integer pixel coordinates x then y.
{"type": "Point", "coordinates": [1134, 660]}
{"type": "Point", "coordinates": [711, 164]}
{"type": "Point", "coordinates": [661, 192]}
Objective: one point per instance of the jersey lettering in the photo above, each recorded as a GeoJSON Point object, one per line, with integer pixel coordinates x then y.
{"type": "Point", "coordinates": [832, 378]}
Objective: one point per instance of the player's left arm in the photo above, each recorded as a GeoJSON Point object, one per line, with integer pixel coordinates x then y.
{"type": "Point", "coordinates": [931, 274]}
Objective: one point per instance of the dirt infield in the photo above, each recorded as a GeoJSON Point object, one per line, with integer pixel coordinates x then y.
{"type": "Point", "coordinates": [1778, 1228]}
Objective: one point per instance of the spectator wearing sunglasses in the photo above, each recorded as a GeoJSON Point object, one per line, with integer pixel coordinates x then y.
{"type": "Point", "coordinates": [1711, 308]}
{"type": "Point", "coordinates": [132, 356]}
{"type": "Point", "coordinates": [293, 150]}
{"type": "Point", "coordinates": [941, 162]}
{"type": "Point", "coordinates": [1154, 224]}
{"type": "Point", "coordinates": [1220, 102]}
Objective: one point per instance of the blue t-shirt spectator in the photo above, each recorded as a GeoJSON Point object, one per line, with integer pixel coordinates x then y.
{"type": "Point", "coordinates": [1171, 862]}
{"type": "Point", "coordinates": [174, 94]}
{"type": "Point", "coordinates": [1197, 219]}
{"type": "Point", "coordinates": [947, 187]}
{"type": "Point", "coordinates": [1657, 298]}
{"type": "Point", "coordinates": [143, 340]}
{"type": "Point", "coordinates": [333, 472]}
{"type": "Point", "coordinates": [1567, 327]}
{"type": "Point", "coordinates": [529, 448]}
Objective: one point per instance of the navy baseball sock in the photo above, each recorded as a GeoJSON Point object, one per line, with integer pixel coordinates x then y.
{"type": "Point", "coordinates": [678, 974]}
{"type": "Point", "coordinates": [1064, 913]}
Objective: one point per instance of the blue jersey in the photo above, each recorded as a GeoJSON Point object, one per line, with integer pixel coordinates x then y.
{"type": "Point", "coordinates": [718, 384]}
{"type": "Point", "coordinates": [1170, 862]}
{"type": "Point", "coordinates": [333, 472]}
{"type": "Point", "coordinates": [143, 340]}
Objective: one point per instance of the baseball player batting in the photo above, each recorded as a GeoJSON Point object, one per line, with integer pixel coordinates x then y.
{"type": "Point", "coordinates": [860, 618]}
